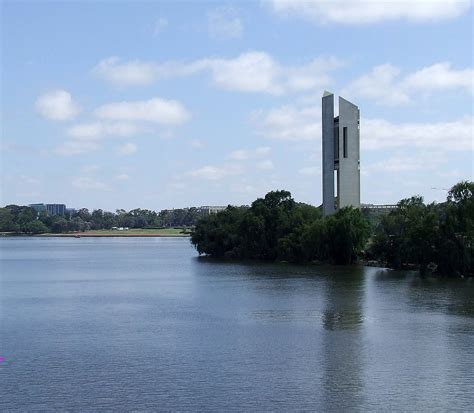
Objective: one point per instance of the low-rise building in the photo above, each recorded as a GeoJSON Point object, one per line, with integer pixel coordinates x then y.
{"type": "Point", "coordinates": [39, 208]}
{"type": "Point", "coordinates": [50, 209]}
{"type": "Point", "coordinates": [56, 209]}
{"type": "Point", "coordinates": [208, 210]}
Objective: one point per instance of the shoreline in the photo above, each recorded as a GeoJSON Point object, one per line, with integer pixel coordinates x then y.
{"type": "Point", "coordinates": [97, 235]}
{"type": "Point", "coordinates": [110, 236]}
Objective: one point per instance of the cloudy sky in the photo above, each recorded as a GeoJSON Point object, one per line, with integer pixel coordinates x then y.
{"type": "Point", "coordinates": [172, 104]}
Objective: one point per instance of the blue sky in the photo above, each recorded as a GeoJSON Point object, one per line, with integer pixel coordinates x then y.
{"type": "Point", "coordinates": [173, 104]}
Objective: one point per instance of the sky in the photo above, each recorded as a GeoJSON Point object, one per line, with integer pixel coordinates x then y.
{"type": "Point", "coordinates": [115, 104]}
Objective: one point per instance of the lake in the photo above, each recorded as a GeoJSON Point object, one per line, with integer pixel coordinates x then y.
{"type": "Point", "coordinates": [144, 324]}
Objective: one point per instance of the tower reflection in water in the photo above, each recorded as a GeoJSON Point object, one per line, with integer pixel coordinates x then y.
{"type": "Point", "coordinates": [343, 357]}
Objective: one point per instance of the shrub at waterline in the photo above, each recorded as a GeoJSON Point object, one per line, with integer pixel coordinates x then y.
{"type": "Point", "coordinates": [434, 237]}
{"type": "Point", "coordinates": [278, 228]}
{"type": "Point", "coordinates": [440, 236]}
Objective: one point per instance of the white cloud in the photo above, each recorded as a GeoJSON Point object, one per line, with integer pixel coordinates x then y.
{"type": "Point", "coordinates": [122, 177]}
{"type": "Point", "coordinates": [371, 11]}
{"type": "Point", "coordinates": [249, 72]}
{"type": "Point", "coordinates": [133, 73]}
{"type": "Point", "coordinates": [398, 164]}
{"type": "Point", "coordinates": [97, 130]}
{"type": "Point", "coordinates": [420, 160]}
{"type": "Point", "coordinates": [223, 22]}
{"type": "Point", "coordinates": [440, 76]}
{"type": "Point", "coordinates": [266, 165]}
{"type": "Point", "coordinates": [244, 188]}
{"type": "Point", "coordinates": [198, 143]}
{"type": "Point", "coordinates": [253, 71]}
{"type": "Point", "coordinates": [76, 147]}
{"type": "Point", "coordinates": [157, 110]}
{"type": "Point", "coordinates": [57, 105]}
{"type": "Point", "coordinates": [385, 86]}
{"type": "Point", "coordinates": [214, 173]}
{"type": "Point", "coordinates": [310, 171]}
{"type": "Point", "coordinates": [208, 172]}
{"type": "Point", "coordinates": [160, 26]}
{"type": "Point", "coordinates": [178, 185]}
{"type": "Point", "coordinates": [289, 122]}
{"type": "Point", "coordinates": [301, 123]}
{"type": "Point", "coordinates": [90, 168]}
{"type": "Point", "coordinates": [448, 136]}
{"type": "Point", "coordinates": [239, 155]}
{"type": "Point", "coordinates": [87, 183]}
{"type": "Point", "coordinates": [244, 154]}
{"type": "Point", "coordinates": [453, 173]}
{"type": "Point", "coordinates": [29, 180]}
{"type": "Point", "coordinates": [380, 86]}
{"type": "Point", "coordinates": [258, 72]}
{"type": "Point", "coordinates": [127, 149]}
{"type": "Point", "coordinates": [263, 150]}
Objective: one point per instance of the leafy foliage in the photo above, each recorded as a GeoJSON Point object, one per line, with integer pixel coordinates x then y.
{"type": "Point", "coordinates": [18, 219]}
{"type": "Point", "coordinates": [435, 235]}
{"type": "Point", "coordinates": [277, 228]}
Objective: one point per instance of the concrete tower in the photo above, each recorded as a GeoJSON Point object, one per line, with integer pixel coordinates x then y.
{"type": "Point", "coordinates": [341, 153]}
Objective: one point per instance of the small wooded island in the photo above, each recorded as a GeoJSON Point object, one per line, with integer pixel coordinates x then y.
{"type": "Point", "coordinates": [430, 237]}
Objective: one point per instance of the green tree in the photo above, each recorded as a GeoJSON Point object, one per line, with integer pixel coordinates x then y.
{"type": "Point", "coordinates": [108, 220]}
{"type": "Point", "coordinates": [277, 228]}
{"type": "Point", "coordinates": [24, 217]}
{"type": "Point", "coordinates": [435, 235]}
{"type": "Point", "coordinates": [35, 227]}
{"type": "Point", "coordinates": [7, 223]}
{"type": "Point", "coordinates": [59, 225]}
{"type": "Point", "coordinates": [76, 224]}
{"type": "Point", "coordinates": [346, 234]}
{"type": "Point", "coordinates": [84, 214]}
{"type": "Point", "coordinates": [97, 219]}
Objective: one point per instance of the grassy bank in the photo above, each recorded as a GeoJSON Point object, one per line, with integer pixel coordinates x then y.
{"type": "Point", "coordinates": [133, 232]}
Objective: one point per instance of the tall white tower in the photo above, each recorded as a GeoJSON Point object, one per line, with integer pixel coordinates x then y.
{"type": "Point", "coordinates": [341, 153]}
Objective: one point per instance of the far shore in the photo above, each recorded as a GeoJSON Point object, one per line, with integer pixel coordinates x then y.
{"type": "Point", "coordinates": [111, 235]}
{"type": "Point", "coordinates": [138, 232]}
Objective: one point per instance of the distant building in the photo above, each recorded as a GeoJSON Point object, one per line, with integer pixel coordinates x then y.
{"type": "Point", "coordinates": [375, 213]}
{"type": "Point", "coordinates": [50, 209]}
{"type": "Point", "coordinates": [208, 210]}
{"type": "Point", "coordinates": [39, 208]}
{"type": "Point", "coordinates": [56, 209]}
{"type": "Point", "coordinates": [341, 143]}
{"type": "Point", "coordinates": [383, 209]}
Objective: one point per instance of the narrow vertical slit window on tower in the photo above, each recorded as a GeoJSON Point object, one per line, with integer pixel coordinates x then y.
{"type": "Point", "coordinates": [344, 141]}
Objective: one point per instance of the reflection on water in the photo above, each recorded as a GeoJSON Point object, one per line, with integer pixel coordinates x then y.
{"type": "Point", "coordinates": [144, 324]}
{"type": "Point", "coordinates": [452, 296]}
{"type": "Point", "coordinates": [344, 294]}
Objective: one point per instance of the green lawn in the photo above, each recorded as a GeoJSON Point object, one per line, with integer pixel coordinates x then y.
{"type": "Point", "coordinates": [132, 232]}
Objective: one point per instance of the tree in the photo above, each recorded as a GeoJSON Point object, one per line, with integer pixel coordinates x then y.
{"type": "Point", "coordinates": [277, 228]}
{"type": "Point", "coordinates": [76, 224]}
{"type": "Point", "coordinates": [108, 220]}
{"type": "Point", "coordinates": [97, 219]}
{"type": "Point", "coordinates": [24, 217]}
{"type": "Point", "coordinates": [35, 227]}
{"type": "Point", "coordinates": [59, 225]}
{"type": "Point", "coordinates": [84, 214]}
{"type": "Point", "coordinates": [7, 223]}
{"type": "Point", "coordinates": [346, 235]}
{"type": "Point", "coordinates": [434, 235]}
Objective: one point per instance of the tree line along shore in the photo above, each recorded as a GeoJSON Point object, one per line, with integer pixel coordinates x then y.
{"type": "Point", "coordinates": [433, 238]}
{"type": "Point", "coordinates": [21, 220]}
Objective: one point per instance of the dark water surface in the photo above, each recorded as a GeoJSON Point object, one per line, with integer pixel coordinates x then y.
{"type": "Point", "coordinates": [143, 324]}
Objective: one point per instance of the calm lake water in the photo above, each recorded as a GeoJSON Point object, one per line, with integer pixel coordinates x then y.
{"type": "Point", "coordinates": [144, 324]}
